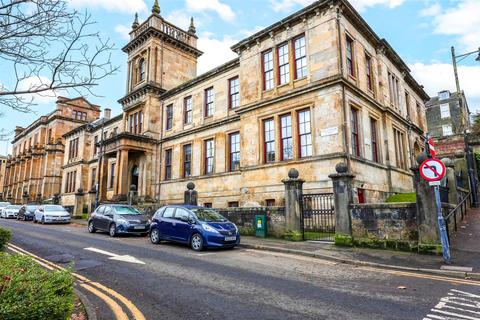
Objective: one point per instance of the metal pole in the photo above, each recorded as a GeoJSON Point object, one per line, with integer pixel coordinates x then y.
{"type": "Point", "coordinates": [442, 227]}
{"type": "Point", "coordinates": [99, 176]}
{"type": "Point", "coordinates": [471, 174]}
{"type": "Point", "coordinates": [455, 71]}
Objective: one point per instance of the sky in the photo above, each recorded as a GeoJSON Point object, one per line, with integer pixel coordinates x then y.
{"type": "Point", "coordinates": [421, 31]}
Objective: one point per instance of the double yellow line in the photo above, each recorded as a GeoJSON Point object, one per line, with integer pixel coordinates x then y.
{"type": "Point", "coordinates": [104, 293]}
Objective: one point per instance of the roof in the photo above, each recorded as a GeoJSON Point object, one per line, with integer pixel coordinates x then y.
{"type": "Point", "coordinates": [92, 126]}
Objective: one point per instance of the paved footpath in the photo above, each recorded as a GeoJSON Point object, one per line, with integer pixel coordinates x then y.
{"type": "Point", "coordinates": [172, 282]}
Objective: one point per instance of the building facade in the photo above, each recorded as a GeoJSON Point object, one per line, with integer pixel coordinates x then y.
{"type": "Point", "coordinates": [3, 167]}
{"type": "Point", "coordinates": [315, 89]}
{"type": "Point", "coordinates": [448, 118]}
{"type": "Point", "coordinates": [35, 166]}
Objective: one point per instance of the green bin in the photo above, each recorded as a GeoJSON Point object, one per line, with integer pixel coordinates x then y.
{"type": "Point", "coordinates": [261, 226]}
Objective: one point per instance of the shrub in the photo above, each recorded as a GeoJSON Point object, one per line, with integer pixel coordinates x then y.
{"type": "Point", "coordinates": [27, 291]}
{"type": "Point", "coordinates": [291, 235]}
{"type": "Point", "coordinates": [403, 197]}
{"type": "Point", "coordinates": [5, 236]}
{"type": "Point", "coordinates": [246, 231]}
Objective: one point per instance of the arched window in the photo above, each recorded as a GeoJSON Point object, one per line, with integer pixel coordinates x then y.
{"type": "Point", "coordinates": [141, 70]}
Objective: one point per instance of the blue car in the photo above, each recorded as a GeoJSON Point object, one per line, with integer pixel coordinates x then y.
{"type": "Point", "coordinates": [198, 227]}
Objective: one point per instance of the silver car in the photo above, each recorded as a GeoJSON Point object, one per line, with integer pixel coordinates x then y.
{"type": "Point", "coordinates": [10, 211]}
{"type": "Point", "coordinates": [51, 213]}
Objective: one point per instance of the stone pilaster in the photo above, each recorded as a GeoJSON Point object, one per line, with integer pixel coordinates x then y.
{"type": "Point", "coordinates": [293, 201]}
{"type": "Point", "coordinates": [343, 198]}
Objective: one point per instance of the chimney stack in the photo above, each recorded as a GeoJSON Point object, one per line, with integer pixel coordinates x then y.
{"type": "Point", "coordinates": [107, 112]}
{"type": "Point", "coordinates": [18, 130]}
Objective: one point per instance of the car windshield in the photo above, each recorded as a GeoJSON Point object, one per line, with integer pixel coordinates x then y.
{"type": "Point", "coordinates": [208, 215]}
{"type": "Point", "coordinates": [125, 210]}
{"type": "Point", "coordinates": [54, 208]}
{"type": "Point", "coordinates": [4, 204]}
{"type": "Point", "coordinates": [14, 207]}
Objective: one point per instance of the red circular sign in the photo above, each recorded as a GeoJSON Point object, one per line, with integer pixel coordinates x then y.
{"type": "Point", "coordinates": [432, 170]}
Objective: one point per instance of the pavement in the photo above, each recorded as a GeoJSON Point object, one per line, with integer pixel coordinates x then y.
{"type": "Point", "coordinates": [170, 281]}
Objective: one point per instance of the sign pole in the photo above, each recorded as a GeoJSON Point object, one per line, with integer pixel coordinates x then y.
{"type": "Point", "coordinates": [442, 227]}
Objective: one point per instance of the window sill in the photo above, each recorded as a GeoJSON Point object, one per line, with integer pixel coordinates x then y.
{"type": "Point", "coordinates": [300, 79]}
{"type": "Point", "coordinates": [352, 77]}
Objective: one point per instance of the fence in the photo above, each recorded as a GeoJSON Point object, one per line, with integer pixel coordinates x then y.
{"type": "Point", "coordinates": [459, 211]}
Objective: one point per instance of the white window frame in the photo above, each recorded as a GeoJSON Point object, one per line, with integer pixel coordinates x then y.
{"type": "Point", "coordinates": [444, 111]}
{"type": "Point", "coordinates": [447, 130]}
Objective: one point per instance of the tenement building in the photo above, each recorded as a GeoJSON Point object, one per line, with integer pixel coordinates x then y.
{"type": "Point", "coordinates": [314, 89]}
{"type": "Point", "coordinates": [34, 170]}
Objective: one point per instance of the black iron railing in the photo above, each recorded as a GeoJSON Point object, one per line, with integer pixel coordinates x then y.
{"type": "Point", "coordinates": [460, 209]}
{"type": "Point", "coordinates": [318, 217]}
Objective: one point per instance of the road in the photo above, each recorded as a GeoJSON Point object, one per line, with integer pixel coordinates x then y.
{"type": "Point", "coordinates": [170, 281]}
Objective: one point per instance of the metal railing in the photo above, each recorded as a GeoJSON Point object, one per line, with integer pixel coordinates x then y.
{"type": "Point", "coordinates": [460, 209]}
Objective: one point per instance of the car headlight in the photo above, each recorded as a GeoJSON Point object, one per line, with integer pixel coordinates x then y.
{"type": "Point", "coordinates": [209, 228]}
{"type": "Point", "coordinates": [236, 228]}
{"type": "Point", "coordinates": [149, 221]}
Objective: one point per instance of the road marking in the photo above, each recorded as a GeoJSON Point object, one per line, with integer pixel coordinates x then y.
{"type": "Point", "coordinates": [457, 305]}
{"type": "Point", "coordinates": [114, 256]}
{"type": "Point", "coordinates": [137, 314]}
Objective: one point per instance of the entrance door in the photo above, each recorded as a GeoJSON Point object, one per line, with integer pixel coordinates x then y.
{"type": "Point", "coordinates": [134, 178]}
{"type": "Point", "coordinates": [318, 217]}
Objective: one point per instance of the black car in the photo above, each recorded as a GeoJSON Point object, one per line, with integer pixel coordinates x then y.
{"type": "Point", "coordinates": [118, 219]}
{"type": "Point", "coordinates": [27, 212]}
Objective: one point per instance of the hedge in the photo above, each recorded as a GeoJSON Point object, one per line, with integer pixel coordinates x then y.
{"type": "Point", "coordinates": [30, 292]}
{"type": "Point", "coordinates": [5, 236]}
{"type": "Point", "coordinates": [402, 197]}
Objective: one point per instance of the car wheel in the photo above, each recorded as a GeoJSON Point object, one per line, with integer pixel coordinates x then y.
{"type": "Point", "coordinates": [196, 242]}
{"type": "Point", "coordinates": [112, 231]}
{"type": "Point", "coordinates": [91, 228]}
{"type": "Point", "coordinates": [155, 236]}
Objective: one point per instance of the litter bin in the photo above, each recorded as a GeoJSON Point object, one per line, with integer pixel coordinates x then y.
{"type": "Point", "coordinates": [261, 226]}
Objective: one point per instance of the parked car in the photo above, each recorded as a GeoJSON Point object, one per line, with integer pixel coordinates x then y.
{"type": "Point", "coordinates": [198, 227]}
{"type": "Point", "coordinates": [27, 212]}
{"type": "Point", "coordinates": [51, 213]}
{"type": "Point", "coordinates": [118, 219]}
{"type": "Point", "coordinates": [3, 205]}
{"type": "Point", "coordinates": [10, 211]}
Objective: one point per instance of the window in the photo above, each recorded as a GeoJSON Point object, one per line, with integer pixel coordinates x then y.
{"type": "Point", "coordinates": [187, 160]}
{"type": "Point", "coordinates": [355, 132]}
{"type": "Point", "coordinates": [447, 130]}
{"type": "Point", "coordinates": [112, 175]}
{"type": "Point", "coordinates": [73, 149]}
{"type": "Point", "coordinates": [267, 60]}
{"type": "Point", "coordinates": [234, 151]}
{"type": "Point", "coordinates": [234, 93]}
{"type": "Point", "coordinates": [209, 102]}
{"type": "Point", "coordinates": [283, 64]}
{"type": "Point", "coordinates": [270, 202]}
{"type": "Point", "coordinates": [419, 115]}
{"type": "Point", "coordinates": [300, 57]}
{"type": "Point", "coordinates": [168, 164]}
{"type": "Point", "coordinates": [209, 156]}
{"type": "Point", "coordinates": [233, 204]}
{"type": "Point", "coordinates": [95, 145]}
{"type": "Point", "coordinates": [135, 122]}
{"type": "Point", "coordinates": [168, 213]}
{"type": "Point", "coordinates": [286, 137]}
{"type": "Point", "coordinates": [445, 110]}
{"type": "Point", "coordinates": [350, 61]}
{"type": "Point", "coordinates": [49, 136]}
{"type": "Point", "coordinates": [207, 205]}
{"type": "Point", "coordinates": [373, 132]}
{"type": "Point", "coordinates": [305, 133]}
{"type": "Point", "coordinates": [407, 103]}
{"type": "Point", "coordinates": [35, 139]}
{"type": "Point", "coordinates": [269, 137]}
{"type": "Point", "coordinates": [393, 86]}
{"type": "Point", "coordinates": [368, 66]}
{"type": "Point", "coordinates": [399, 139]}
{"type": "Point", "coordinates": [74, 114]}
{"type": "Point", "coordinates": [141, 70]}
{"type": "Point", "coordinates": [169, 117]}
{"type": "Point", "coordinates": [444, 95]}
{"type": "Point", "coordinates": [187, 110]}
{"type": "Point", "coordinates": [94, 178]}
{"type": "Point", "coordinates": [70, 182]}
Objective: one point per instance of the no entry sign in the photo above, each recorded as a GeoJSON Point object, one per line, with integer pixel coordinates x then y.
{"type": "Point", "coordinates": [432, 170]}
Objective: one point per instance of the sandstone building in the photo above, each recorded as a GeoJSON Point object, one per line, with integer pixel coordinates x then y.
{"type": "Point", "coordinates": [315, 89]}
{"type": "Point", "coordinates": [35, 166]}
{"type": "Point", "coordinates": [3, 165]}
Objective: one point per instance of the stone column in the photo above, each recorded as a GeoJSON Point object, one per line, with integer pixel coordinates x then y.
{"type": "Point", "coordinates": [79, 201]}
{"type": "Point", "coordinates": [190, 195]}
{"type": "Point", "coordinates": [426, 207]}
{"type": "Point", "coordinates": [123, 173]}
{"type": "Point", "coordinates": [451, 181]}
{"type": "Point", "coordinates": [91, 200]}
{"type": "Point", "coordinates": [293, 201]}
{"type": "Point", "coordinates": [25, 197]}
{"type": "Point", "coordinates": [343, 198]}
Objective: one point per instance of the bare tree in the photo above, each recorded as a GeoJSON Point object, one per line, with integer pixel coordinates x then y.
{"type": "Point", "coordinates": [47, 48]}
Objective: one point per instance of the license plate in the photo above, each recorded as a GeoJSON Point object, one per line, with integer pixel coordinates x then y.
{"type": "Point", "coordinates": [139, 227]}
{"type": "Point", "coordinates": [230, 238]}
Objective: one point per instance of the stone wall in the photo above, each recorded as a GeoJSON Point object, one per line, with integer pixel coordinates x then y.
{"type": "Point", "coordinates": [244, 218]}
{"type": "Point", "coordinates": [385, 225]}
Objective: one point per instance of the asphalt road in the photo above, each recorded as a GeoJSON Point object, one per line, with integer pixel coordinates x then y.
{"type": "Point", "coordinates": [177, 283]}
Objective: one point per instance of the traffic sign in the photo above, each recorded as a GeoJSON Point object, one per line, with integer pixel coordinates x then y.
{"type": "Point", "coordinates": [432, 170]}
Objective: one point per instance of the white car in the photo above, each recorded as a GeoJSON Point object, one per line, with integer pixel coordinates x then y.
{"type": "Point", "coordinates": [51, 213]}
{"type": "Point", "coordinates": [10, 211]}
{"type": "Point", "coordinates": [2, 206]}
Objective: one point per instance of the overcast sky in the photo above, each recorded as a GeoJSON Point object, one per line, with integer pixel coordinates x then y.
{"type": "Point", "coordinates": [421, 31]}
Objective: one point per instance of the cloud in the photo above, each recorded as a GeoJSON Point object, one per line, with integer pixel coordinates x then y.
{"type": "Point", "coordinates": [216, 51]}
{"type": "Point", "coordinates": [224, 11]}
{"type": "Point", "coordinates": [122, 6]}
{"type": "Point", "coordinates": [181, 19]}
{"type": "Point", "coordinates": [123, 31]}
{"type": "Point", "coordinates": [34, 83]}
{"type": "Point", "coordinates": [439, 76]}
{"type": "Point", "coordinates": [361, 5]}
{"type": "Point", "coordinates": [462, 21]}
{"type": "Point", "coordinates": [432, 10]}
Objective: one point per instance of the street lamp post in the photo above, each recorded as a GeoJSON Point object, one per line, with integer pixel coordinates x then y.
{"type": "Point", "coordinates": [468, 149]}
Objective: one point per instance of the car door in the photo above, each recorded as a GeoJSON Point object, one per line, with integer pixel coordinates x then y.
{"type": "Point", "coordinates": [106, 217]}
{"type": "Point", "coordinates": [39, 213]}
{"type": "Point", "coordinates": [166, 222]}
{"type": "Point", "coordinates": [181, 229]}
{"type": "Point", "coordinates": [97, 216]}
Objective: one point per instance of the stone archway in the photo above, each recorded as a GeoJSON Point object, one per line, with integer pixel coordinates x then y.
{"type": "Point", "coordinates": [134, 176]}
